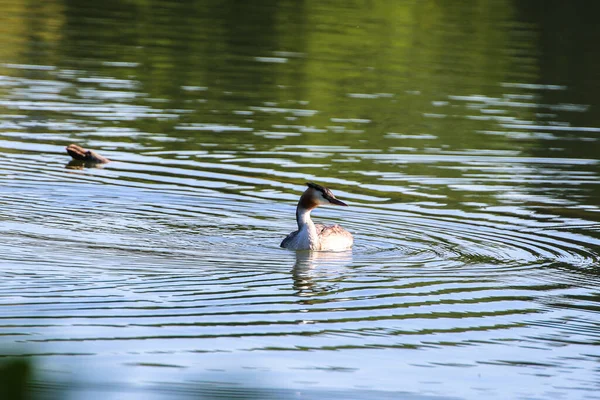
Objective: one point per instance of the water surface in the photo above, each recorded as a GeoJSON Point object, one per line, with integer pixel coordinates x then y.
{"type": "Point", "coordinates": [464, 138]}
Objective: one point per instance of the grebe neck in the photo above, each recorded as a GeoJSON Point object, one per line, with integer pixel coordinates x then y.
{"type": "Point", "coordinates": [307, 231]}
{"type": "Point", "coordinates": [303, 218]}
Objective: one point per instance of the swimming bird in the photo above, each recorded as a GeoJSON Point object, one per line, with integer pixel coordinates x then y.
{"type": "Point", "coordinates": [87, 156]}
{"type": "Point", "coordinates": [311, 236]}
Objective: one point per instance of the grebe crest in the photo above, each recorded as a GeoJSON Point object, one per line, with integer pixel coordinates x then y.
{"type": "Point", "coordinates": [311, 236]}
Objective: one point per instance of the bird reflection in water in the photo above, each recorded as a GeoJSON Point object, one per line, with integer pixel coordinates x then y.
{"type": "Point", "coordinates": [313, 268]}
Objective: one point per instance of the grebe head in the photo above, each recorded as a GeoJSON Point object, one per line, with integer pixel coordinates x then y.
{"type": "Point", "coordinates": [317, 195]}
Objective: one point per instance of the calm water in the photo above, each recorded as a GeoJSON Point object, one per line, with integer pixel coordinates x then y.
{"type": "Point", "coordinates": [464, 136]}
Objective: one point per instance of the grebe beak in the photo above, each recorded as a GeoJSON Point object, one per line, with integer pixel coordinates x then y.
{"type": "Point", "coordinates": [337, 202]}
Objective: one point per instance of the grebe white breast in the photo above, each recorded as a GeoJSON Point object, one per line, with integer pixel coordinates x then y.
{"type": "Point", "coordinates": [311, 236]}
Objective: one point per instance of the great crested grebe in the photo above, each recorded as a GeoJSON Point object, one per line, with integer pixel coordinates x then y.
{"type": "Point", "coordinates": [311, 236]}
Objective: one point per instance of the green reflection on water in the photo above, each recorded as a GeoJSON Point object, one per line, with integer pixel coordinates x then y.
{"type": "Point", "coordinates": [399, 77]}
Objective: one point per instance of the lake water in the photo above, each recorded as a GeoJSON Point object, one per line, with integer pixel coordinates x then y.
{"type": "Point", "coordinates": [463, 135]}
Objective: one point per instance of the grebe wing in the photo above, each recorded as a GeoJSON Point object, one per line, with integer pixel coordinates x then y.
{"type": "Point", "coordinates": [288, 239]}
{"type": "Point", "coordinates": [334, 237]}
{"type": "Point", "coordinates": [331, 230]}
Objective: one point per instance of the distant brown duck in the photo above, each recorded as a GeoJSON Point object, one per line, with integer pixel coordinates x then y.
{"type": "Point", "coordinates": [311, 236]}
{"type": "Point", "coordinates": [86, 156]}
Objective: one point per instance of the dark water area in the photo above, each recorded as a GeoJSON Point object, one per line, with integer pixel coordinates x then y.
{"type": "Point", "coordinates": [463, 135]}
